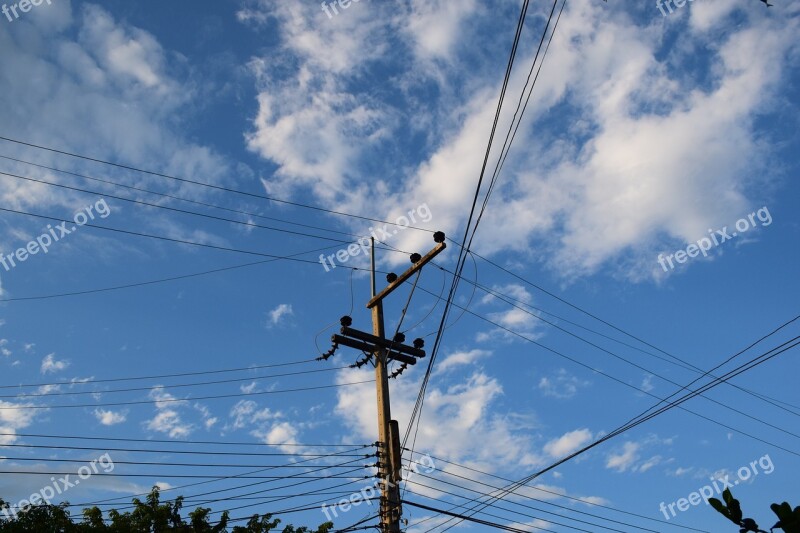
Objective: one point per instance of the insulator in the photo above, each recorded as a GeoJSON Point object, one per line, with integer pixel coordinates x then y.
{"type": "Point", "coordinates": [439, 236]}
{"type": "Point", "coordinates": [391, 277]}
{"type": "Point", "coordinates": [327, 355]}
{"type": "Point", "coordinates": [415, 257]}
{"type": "Point", "coordinates": [398, 371]}
{"type": "Point", "coordinates": [346, 321]}
{"type": "Point", "coordinates": [419, 343]}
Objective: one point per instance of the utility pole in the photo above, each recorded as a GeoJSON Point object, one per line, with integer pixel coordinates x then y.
{"type": "Point", "coordinates": [390, 493]}
{"type": "Point", "coordinates": [384, 350]}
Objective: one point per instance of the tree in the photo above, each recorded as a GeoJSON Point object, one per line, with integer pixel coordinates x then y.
{"type": "Point", "coordinates": [788, 519]}
{"type": "Point", "coordinates": [149, 516]}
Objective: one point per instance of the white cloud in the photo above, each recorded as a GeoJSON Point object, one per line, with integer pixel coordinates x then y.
{"type": "Point", "coordinates": [50, 365]}
{"type": "Point", "coordinates": [109, 417]}
{"type": "Point", "coordinates": [604, 192]}
{"type": "Point", "coordinates": [681, 471]}
{"type": "Point", "coordinates": [278, 314]}
{"type": "Point", "coordinates": [209, 420]}
{"type": "Point", "coordinates": [246, 413]}
{"type": "Point", "coordinates": [169, 421]}
{"type": "Point", "coordinates": [568, 443]}
{"type": "Point", "coordinates": [455, 411]}
{"type": "Point", "coordinates": [625, 459]}
{"type": "Point", "coordinates": [461, 358]}
{"type": "Point", "coordinates": [650, 463]}
{"type": "Point", "coordinates": [562, 385]}
{"type": "Point", "coordinates": [13, 418]}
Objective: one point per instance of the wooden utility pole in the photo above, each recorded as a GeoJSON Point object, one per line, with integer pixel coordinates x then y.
{"type": "Point", "coordinates": [384, 350]}
{"type": "Point", "coordinates": [390, 493]}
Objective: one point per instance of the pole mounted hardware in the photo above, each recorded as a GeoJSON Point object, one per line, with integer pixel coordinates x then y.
{"type": "Point", "coordinates": [418, 262]}
{"type": "Point", "coordinates": [376, 345]}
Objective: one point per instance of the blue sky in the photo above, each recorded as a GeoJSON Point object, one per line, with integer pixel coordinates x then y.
{"type": "Point", "coordinates": [647, 136]}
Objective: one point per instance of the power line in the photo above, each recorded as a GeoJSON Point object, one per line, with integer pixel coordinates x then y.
{"type": "Point", "coordinates": [165, 463]}
{"type": "Point", "coordinates": [235, 476]}
{"type": "Point", "coordinates": [636, 421]}
{"type": "Point", "coordinates": [167, 476]}
{"type": "Point", "coordinates": [188, 442]}
{"type": "Point", "coordinates": [461, 260]}
{"type": "Point", "coordinates": [186, 452]}
{"type": "Point", "coordinates": [178, 241]}
{"type": "Point", "coordinates": [613, 378]}
{"type": "Point", "coordinates": [559, 494]}
{"type": "Point", "coordinates": [171, 386]}
{"type": "Point", "coordinates": [179, 198]}
{"type": "Point", "coordinates": [161, 376]}
{"type": "Point", "coordinates": [175, 209]}
{"type": "Point", "coordinates": [495, 506]}
{"type": "Point", "coordinates": [172, 400]}
{"type": "Point", "coordinates": [477, 520]}
{"type": "Point", "coordinates": [208, 185]}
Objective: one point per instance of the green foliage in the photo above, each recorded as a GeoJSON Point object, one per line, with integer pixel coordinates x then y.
{"type": "Point", "coordinates": [788, 519]}
{"type": "Point", "coordinates": [149, 516]}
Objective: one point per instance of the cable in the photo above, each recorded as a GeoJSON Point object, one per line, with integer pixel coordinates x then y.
{"type": "Point", "coordinates": [179, 241]}
{"type": "Point", "coordinates": [153, 282]}
{"type": "Point", "coordinates": [179, 198]}
{"type": "Point", "coordinates": [559, 494]}
{"type": "Point", "coordinates": [192, 442]}
{"type": "Point", "coordinates": [184, 452]}
{"type": "Point", "coordinates": [170, 400]}
{"type": "Point", "coordinates": [439, 489]}
{"type": "Point", "coordinates": [177, 210]}
{"type": "Point", "coordinates": [478, 520]}
{"type": "Point", "coordinates": [160, 376]}
{"type": "Point", "coordinates": [518, 305]}
{"type": "Point", "coordinates": [171, 386]}
{"type": "Point", "coordinates": [225, 478]}
{"type": "Point", "coordinates": [611, 377]}
{"type": "Point", "coordinates": [162, 463]}
{"type": "Point", "coordinates": [636, 421]}
{"type": "Point", "coordinates": [162, 475]}
{"type": "Point", "coordinates": [507, 143]}
{"type": "Point", "coordinates": [210, 186]}
{"type": "Point", "coordinates": [461, 257]}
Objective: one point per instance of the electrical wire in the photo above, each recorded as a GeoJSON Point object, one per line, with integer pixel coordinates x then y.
{"type": "Point", "coordinates": [188, 442]}
{"type": "Point", "coordinates": [226, 478]}
{"type": "Point", "coordinates": [558, 494]}
{"type": "Point", "coordinates": [416, 412]}
{"type": "Point", "coordinates": [522, 513]}
{"type": "Point", "coordinates": [615, 379]}
{"type": "Point", "coordinates": [173, 240]}
{"type": "Point", "coordinates": [171, 386]}
{"type": "Point", "coordinates": [172, 400]}
{"type": "Point", "coordinates": [179, 198]}
{"type": "Point", "coordinates": [636, 421]}
{"type": "Point", "coordinates": [478, 520]}
{"type": "Point", "coordinates": [159, 376]}
{"type": "Point", "coordinates": [207, 185]}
